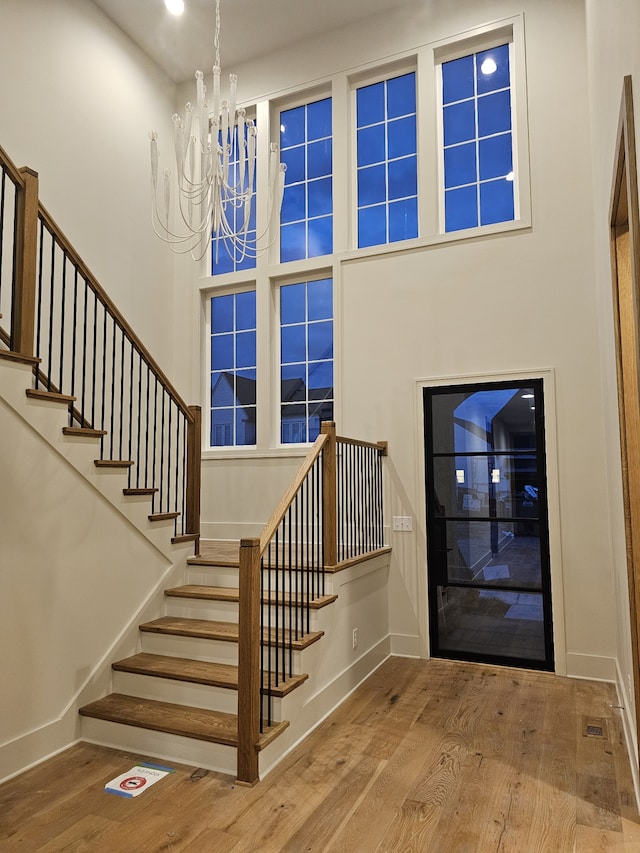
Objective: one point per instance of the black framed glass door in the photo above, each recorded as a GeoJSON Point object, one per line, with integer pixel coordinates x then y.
{"type": "Point", "coordinates": [487, 524]}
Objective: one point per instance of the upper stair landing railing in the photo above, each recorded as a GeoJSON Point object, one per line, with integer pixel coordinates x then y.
{"type": "Point", "coordinates": [331, 515]}
{"type": "Point", "coordinates": [87, 355]}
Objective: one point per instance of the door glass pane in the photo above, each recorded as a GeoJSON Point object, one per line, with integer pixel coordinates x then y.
{"type": "Point", "coordinates": [496, 486]}
{"type": "Point", "coordinates": [490, 553]}
{"type": "Point", "coordinates": [494, 623]}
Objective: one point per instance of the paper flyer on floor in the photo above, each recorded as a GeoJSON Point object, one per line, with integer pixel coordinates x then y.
{"type": "Point", "coordinates": [138, 779]}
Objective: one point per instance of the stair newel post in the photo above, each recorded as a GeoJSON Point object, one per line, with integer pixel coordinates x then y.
{"type": "Point", "coordinates": [194, 465]}
{"type": "Point", "coordinates": [249, 661]}
{"type": "Point", "coordinates": [329, 494]}
{"type": "Point", "coordinates": [25, 265]}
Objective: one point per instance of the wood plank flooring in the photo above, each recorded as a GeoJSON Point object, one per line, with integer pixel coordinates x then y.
{"type": "Point", "coordinates": [425, 756]}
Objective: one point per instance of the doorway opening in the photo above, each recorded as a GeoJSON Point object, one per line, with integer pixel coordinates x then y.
{"type": "Point", "coordinates": [488, 562]}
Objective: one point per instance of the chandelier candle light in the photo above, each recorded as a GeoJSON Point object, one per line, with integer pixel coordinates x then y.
{"type": "Point", "coordinates": [215, 150]}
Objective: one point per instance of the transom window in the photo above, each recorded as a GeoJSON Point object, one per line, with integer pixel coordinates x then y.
{"type": "Point", "coordinates": [306, 147]}
{"type": "Point", "coordinates": [233, 369]}
{"type": "Point", "coordinates": [306, 359]}
{"type": "Point", "coordinates": [387, 161]}
{"type": "Point", "coordinates": [477, 139]}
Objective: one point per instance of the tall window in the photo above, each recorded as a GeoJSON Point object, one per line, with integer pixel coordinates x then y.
{"type": "Point", "coordinates": [224, 256]}
{"type": "Point", "coordinates": [306, 357]}
{"type": "Point", "coordinates": [387, 161]}
{"type": "Point", "coordinates": [307, 209]}
{"type": "Point", "coordinates": [477, 136]}
{"type": "Point", "coordinates": [233, 369]}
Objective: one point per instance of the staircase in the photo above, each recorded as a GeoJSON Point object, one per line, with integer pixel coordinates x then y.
{"type": "Point", "coordinates": [184, 681]}
{"type": "Point", "coordinates": [231, 668]}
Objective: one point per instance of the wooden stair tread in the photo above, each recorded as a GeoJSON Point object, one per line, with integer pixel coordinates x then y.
{"type": "Point", "coordinates": [185, 537]}
{"type": "Point", "coordinates": [9, 355]}
{"type": "Point", "coordinates": [147, 491]}
{"type": "Point", "coordinates": [85, 432]}
{"type": "Point", "coordinates": [208, 629]}
{"type": "Point", "coordinates": [200, 672]}
{"type": "Point", "coordinates": [223, 593]}
{"type": "Point", "coordinates": [200, 628]}
{"type": "Point", "coordinates": [183, 720]}
{"type": "Point", "coordinates": [113, 463]}
{"type": "Point", "coordinates": [163, 516]}
{"type": "Point", "coordinates": [180, 669]}
{"type": "Point", "coordinates": [50, 396]}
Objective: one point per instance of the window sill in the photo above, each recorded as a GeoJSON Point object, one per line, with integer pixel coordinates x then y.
{"type": "Point", "coordinates": [294, 451]}
{"type": "Point", "coordinates": [435, 240]}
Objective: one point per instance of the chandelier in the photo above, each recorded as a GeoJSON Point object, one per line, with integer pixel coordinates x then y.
{"type": "Point", "coordinates": [215, 153]}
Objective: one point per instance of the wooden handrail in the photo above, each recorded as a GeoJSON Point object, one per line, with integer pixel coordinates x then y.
{"type": "Point", "coordinates": [374, 445]}
{"type": "Point", "coordinates": [93, 283]}
{"type": "Point", "coordinates": [268, 531]}
{"type": "Point", "coordinates": [10, 166]}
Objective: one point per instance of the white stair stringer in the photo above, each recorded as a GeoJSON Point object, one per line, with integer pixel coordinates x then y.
{"type": "Point", "coordinates": [48, 419]}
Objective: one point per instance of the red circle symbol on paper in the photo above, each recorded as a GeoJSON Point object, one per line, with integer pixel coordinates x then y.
{"type": "Point", "coordinates": [133, 782]}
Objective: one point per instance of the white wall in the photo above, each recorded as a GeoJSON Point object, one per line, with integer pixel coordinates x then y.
{"type": "Point", "coordinates": [613, 52]}
{"type": "Point", "coordinates": [77, 102]}
{"type": "Point", "coordinates": [518, 302]}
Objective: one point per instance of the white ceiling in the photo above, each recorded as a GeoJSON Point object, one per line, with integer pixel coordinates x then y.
{"type": "Point", "coordinates": [248, 27]}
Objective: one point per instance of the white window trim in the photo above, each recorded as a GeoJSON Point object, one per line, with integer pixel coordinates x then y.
{"type": "Point", "coordinates": [509, 31]}
{"type": "Point", "coordinates": [377, 74]}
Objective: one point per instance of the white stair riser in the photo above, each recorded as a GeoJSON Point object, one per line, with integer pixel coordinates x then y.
{"type": "Point", "coordinates": [189, 647]}
{"type": "Point", "coordinates": [228, 577]}
{"type": "Point", "coordinates": [170, 748]}
{"type": "Point", "coordinates": [212, 575]}
{"type": "Point", "coordinates": [199, 608]}
{"type": "Point", "coordinates": [176, 692]}
{"type": "Point", "coordinates": [227, 611]}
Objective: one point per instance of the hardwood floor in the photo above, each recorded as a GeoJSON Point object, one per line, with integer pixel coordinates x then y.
{"type": "Point", "coordinates": [425, 756]}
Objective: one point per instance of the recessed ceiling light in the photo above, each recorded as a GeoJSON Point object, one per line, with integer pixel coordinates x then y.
{"type": "Point", "coordinates": [176, 7]}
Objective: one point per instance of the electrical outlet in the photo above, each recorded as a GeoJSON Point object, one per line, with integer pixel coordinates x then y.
{"type": "Point", "coordinates": [355, 637]}
{"type": "Point", "coordinates": [402, 523]}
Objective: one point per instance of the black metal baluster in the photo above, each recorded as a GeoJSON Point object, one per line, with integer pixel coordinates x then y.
{"type": "Point", "coordinates": [51, 306]}
{"type": "Point", "coordinates": [63, 289]}
{"type": "Point", "coordinates": [131, 389]}
{"type": "Point", "coordinates": [147, 435]}
{"type": "Point", "coordinates": [162, 442]}
{"type": "Point", "coordinates": [39, 311]}
{"type": "Point", "coordinates": [113, 385]}
{"type": "Point", "coordinates": [2, 209]}
{"type": "Point", "coordinates": [293, 547]}
{"type": "Point", "coordinates": [104, 368]}
{"type": "Point", "coordinates": [155, 441]}
{"type": "Point", "coordinates": [74, 335]}
{"type": "Point", "coordinates": [184, 472]}
{"type": "Point", "coordinates": [121, 425]}
{"type": "Point", "coordinates": [139, 423]}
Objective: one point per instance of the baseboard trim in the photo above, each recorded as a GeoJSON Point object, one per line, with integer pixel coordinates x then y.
{"type": "Point", "coordinates": [592, 667]}
{"type": "Point", "coordinates": [405, 645]}
{"type": "Point", "coordinates": [629, 727]}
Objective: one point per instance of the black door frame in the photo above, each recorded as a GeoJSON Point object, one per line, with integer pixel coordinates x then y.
{"type": "Point", "coordinates": [436, 548]}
